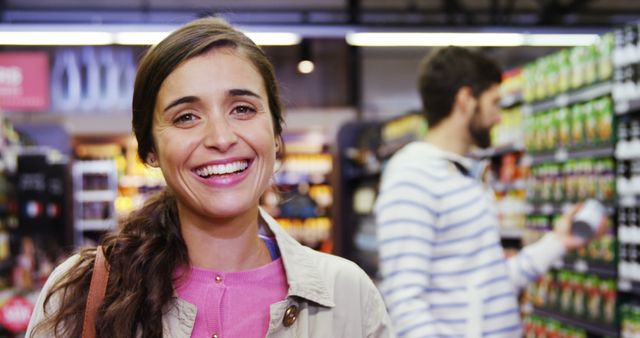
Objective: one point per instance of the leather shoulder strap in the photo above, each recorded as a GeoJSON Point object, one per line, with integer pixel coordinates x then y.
{"type": "Point", "coordinates": [97, 289]}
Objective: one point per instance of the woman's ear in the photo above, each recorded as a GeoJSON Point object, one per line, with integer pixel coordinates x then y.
{"type": "Point", "coordinates": [279, 147]}
{"type": "Point", "coordinates": [152, 160]}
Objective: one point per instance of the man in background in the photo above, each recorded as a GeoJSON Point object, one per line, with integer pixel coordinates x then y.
{"type": "Point", "coordinates": [444, 271]}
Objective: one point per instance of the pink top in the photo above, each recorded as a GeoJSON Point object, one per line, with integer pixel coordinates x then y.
{"type": "Point", "coordinates": [233, 304]}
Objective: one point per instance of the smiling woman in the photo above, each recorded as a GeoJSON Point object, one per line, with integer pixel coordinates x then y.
{"type": "Point", "coordinates": [201, 259]}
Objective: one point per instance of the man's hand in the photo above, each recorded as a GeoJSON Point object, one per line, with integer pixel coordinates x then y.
{"type": "Point", "coordinates": [562, 229]}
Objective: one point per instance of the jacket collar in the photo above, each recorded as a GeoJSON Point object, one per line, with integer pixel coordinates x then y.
{"type": "Point", "coordinates": [303, 276]}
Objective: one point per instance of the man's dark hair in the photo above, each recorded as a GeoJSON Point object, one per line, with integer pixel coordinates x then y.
{"type": "Point", "coordinates": [444, 71]}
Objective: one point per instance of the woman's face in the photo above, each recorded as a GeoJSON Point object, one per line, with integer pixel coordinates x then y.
{"type": "Point", "coordinates": [214, 137]}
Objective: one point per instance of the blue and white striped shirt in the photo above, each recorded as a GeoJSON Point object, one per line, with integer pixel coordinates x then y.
{"type": "Point", "coordinates": [444, 272]}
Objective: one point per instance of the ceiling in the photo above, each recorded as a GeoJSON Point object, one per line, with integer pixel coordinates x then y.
{"type": "Point", "coordinates": [404, 13]}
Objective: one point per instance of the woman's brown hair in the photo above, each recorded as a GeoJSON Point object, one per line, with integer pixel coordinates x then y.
{"type": "Point", "coordinates": [144, 254]}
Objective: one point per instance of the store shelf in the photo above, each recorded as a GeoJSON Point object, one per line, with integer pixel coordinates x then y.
{"type": "Point", "coordinates": [546, 208]}
{"type": "Point", "coordinates": [590, 326]}
{"type": "Point", "coordinates": [511, 100]}
{"type": "Point", "coordinates": [603, 270]}
{"type": "Point", "coordinates": [565, 99]}
{"type": "Point", "coordinates": [96, 225]}
{"type": "Point", "coordinates": [562, 154]}
{"type": "Point", "coordinates": [628, 201]}
{"type": "Point", "coordinates": [95, 195]}
{"type": "Point", "coordinates": [627, 106]}
{"type": "Point", "coordinates": [497, 151]}
{"type": "Point", "coordinates": [556, 208]}
{"type": "Point", "coordinates": [629, 286]}
{"type": "Point", "coordinates": [500, 186]}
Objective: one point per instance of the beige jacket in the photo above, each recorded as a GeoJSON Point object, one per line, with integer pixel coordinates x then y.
{"type": "Point", "coordinates": [328, 297]}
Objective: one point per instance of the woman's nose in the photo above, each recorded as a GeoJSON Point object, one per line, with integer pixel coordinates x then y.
{"type": "Point", "coordinates": [219, 134]}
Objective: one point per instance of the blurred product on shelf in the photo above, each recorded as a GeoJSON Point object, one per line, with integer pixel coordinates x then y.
{"type": "Point", "coordinates": [581, 296]}
{"type": "Point", "coordinates": [363, 149]}
{"type": "Point", "coordinates": [539, 326]}
{"type": "Point", "coordinates": [568, 69]}
{"type": "Point", "coordinates": [302, 198]}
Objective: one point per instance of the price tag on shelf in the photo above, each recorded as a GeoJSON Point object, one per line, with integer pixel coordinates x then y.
{"type": "Point", "coordinates": [581, 266]}
{"type": "Point", "coordinates": [622, 107]}
{"type": "Point", "coordinates": [547, 208]}
{"type": "Point", "coordinates": [624, 285]}
{"type": "Point", "coordinates": [562, 100]}
{"type": "Point", "coordinates": [627, 201]}
{"type": "Point", "coordinates": [561, 155]}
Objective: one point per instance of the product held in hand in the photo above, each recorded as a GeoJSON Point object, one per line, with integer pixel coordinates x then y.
{"type": "Point", "coordinates": [585, 222]}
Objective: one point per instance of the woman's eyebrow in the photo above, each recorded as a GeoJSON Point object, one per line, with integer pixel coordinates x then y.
{"type": "Point", "coordinates": [243, 92]}
{"type": "Point", "coordinates": [181, 100]}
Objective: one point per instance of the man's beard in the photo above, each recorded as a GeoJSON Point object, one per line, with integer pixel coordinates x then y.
{"type": "Point", "coordinates": [481, 136]}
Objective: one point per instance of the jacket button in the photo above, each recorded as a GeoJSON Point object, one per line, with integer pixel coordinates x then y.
{"type": "Point", "coordinates": [290, 315]}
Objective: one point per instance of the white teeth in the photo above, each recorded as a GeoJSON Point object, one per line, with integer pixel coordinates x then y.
{"type": "Point", "coordinates": [221, 169]}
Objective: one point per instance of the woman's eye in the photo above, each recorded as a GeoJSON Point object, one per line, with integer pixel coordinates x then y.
{"type": "Point", "coordinates": [184, 118]}
{"type": "Point", "coordinates": [244, 110]}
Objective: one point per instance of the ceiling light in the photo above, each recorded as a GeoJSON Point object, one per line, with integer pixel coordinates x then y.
{"type": "Point", "coordinates": [47, 38]}
{"type": "Point", "coordinates": [306, 66]}
{"type": "Point", "coordinates": [419, 39]}
{"type": "Point", "coordinates": [274, 38]}
{"type": "Point", "coordinates": [139, 38]}
{"type": "Point", "coordinates": [72, 34]}
{"type": "Point", "coordinates": [561, 39]}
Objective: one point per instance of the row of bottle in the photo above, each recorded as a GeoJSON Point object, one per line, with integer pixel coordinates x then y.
{"type": "Point", "coordinates": [581, 124]}
{"type": "Point", "coordinates": [626, 82]}
{"type": "Point", "coordinates": [626, 57]}
{"type": "Point", "coordinates": [626, 49]}
{"type": "Point", "coordinates": [309, 231]}
{"type": "Point", "coordinates": [541, 327]}
{"type": "Point", "coordinates": [509, 131]}
{"type": "Point", "coordinates": [628, 144]}
{"type": "Point", "coordinates": [629, 243]}
{"type": "Point", "coordinates": [630, 320]}
{"type": "Point", "coordinates": [628, 178]}
{"type": "Point", "coordinates": [295, 168]}
{"type": "Point", "coordinates": [567, 69]}
{"type": "Point", "coordinates": [584, 296]}
{"type": "Point", "coordinates": [573, 180]}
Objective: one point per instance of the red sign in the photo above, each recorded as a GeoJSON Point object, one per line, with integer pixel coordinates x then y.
{"type": "Point", "coordinates": [15, 314]}
{"type": "Point", "coordinates": [24, 81]}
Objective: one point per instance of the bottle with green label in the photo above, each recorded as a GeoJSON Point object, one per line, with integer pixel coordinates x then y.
{"type": "Point", "coordinates": [605, 62]}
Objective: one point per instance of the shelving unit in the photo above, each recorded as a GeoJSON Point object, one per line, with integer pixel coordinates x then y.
{"type": "Point", "coordinates": [593, 328]}
{"type": "Point", "coordinates": [570, 144]}
{"type": "Point", "coordinates": [363, 150]}
{"type": "Point", "coordinates": [303, 199]}
{"type": "Point", "coordinates": [95, 184]}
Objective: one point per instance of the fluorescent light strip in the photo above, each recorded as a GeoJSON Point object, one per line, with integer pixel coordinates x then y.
{"type": "Point", "coordinates": [274, 38]}
{"type": "Point", "coordinates": [560, 39]}
{"type": "Point", "coordinates": [413, 39]}
{"type": "Point", "coordinates": [260, 38]}
{"type": "Point", "coordinates": [139, 38]}
{"type": "Point", "coordinates": [31, 37]}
